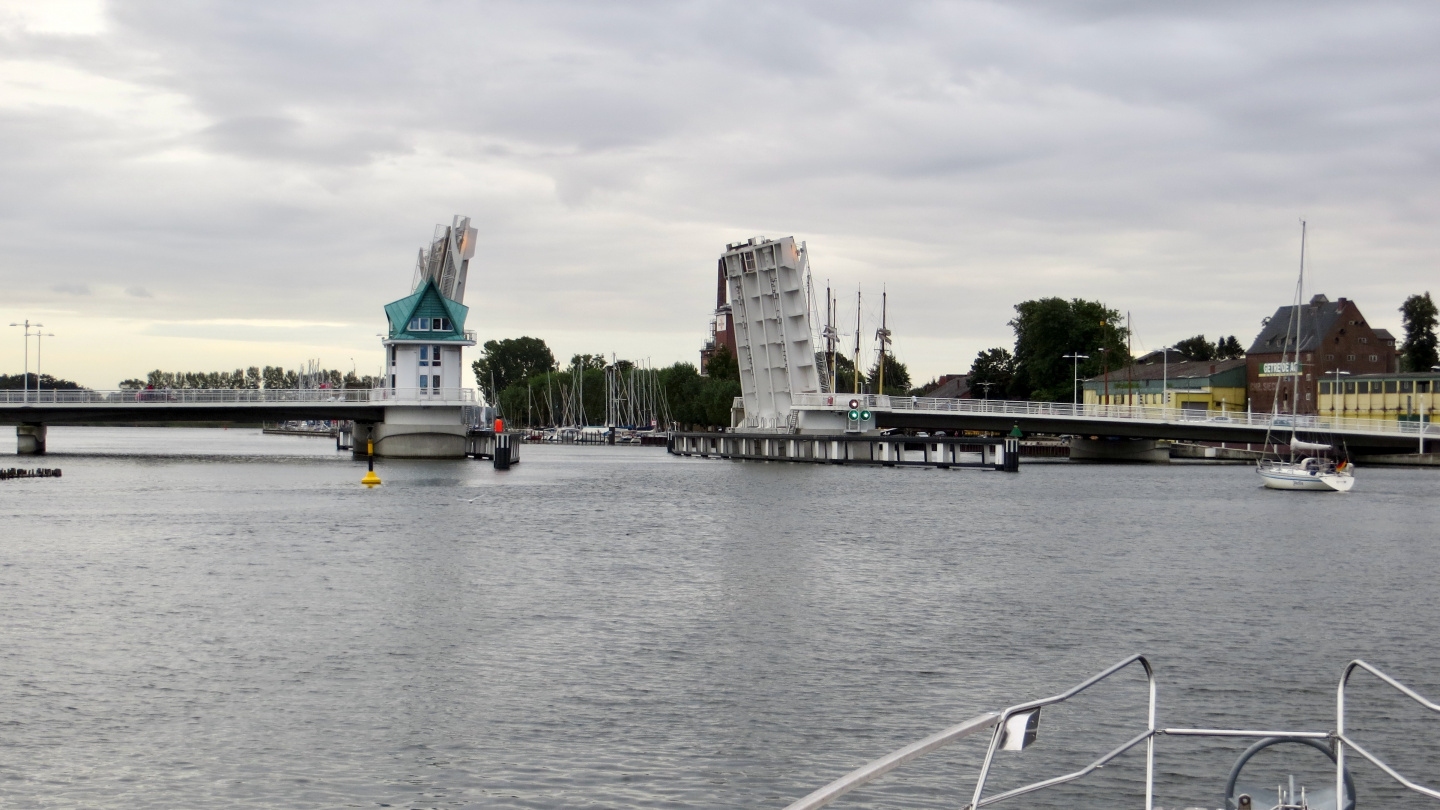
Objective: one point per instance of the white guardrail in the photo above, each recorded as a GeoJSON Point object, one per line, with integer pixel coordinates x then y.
{"type": "Point", "coordinates": [1146, 413]}
{"type": "Point", "coordinates": [242, 396]}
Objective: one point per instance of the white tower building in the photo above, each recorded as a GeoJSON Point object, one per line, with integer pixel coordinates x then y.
{"type": "Point", "coordinates": [424, 387]}
{"type": "Point", "coordinates": [427, 327]}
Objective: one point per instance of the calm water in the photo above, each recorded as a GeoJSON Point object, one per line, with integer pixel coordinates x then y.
{"type": "Point", "coordinates": [209, 618]}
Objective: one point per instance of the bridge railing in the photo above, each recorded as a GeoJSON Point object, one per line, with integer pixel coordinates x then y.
{"type": "Point", "coordinates": [240, 396]}
{"type": "Point", "coordinates": [1150, 413]}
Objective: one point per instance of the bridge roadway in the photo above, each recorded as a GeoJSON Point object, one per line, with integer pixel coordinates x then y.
{"type": "Point", "coordinates": [1142, 422]}
{"type": "Point", "coordinates": [86, 407]}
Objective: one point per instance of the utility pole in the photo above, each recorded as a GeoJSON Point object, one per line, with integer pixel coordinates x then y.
{"type": "Point", "coordinates": [39, 377]}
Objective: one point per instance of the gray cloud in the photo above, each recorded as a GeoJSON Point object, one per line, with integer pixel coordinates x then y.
{"type": "Point", "coordinates": [275, 160]}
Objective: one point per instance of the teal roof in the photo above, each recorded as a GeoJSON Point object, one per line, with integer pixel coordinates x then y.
{"type": "Point", "coordinates": [426, 302]}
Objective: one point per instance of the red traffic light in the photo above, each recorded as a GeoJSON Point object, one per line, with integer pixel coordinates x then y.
{"type": "Point", "coordinates": [854, 403]}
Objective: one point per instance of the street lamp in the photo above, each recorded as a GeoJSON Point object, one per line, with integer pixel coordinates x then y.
{"type": "Point", "coordinates": [1335, 392]}
{"type": "Point", "coordinates": [1075, 392]}
{"type": "Point", "coordinates": [28, 333]}
{"type": "Point", "coordinates": [1164, 379]}
{"type": "Point", "coordinates": [39, 378]}
{"type": "Point", "coordinates": [1422, 412]}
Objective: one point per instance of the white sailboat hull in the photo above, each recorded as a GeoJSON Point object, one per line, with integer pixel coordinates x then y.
{"type": "Point", "coordinates": [1285, 475]}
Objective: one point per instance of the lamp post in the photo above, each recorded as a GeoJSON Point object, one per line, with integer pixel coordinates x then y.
{"type": "Point", "coordinates": [1335, 392]}
{"type": "Point", "coordinates": [1075, 389]}
{"type": "Point", "coordinates": [26, 378]}
{"type": "Point", "coordinates": [1164, 380]}
{"type": "Point", "coordinates": [1422, 413]}
{"type": "Point", "coordinates": [39, 377]}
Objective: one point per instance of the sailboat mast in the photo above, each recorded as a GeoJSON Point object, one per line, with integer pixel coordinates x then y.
{"type": "Point", "coordinates": [829, 338]}
{"type": "Point", "coordinates": [884, 338]}
{"type": "Point", "coordinates": [1295, 369]}
{"type": "Point", "coordinates": [857, 339]}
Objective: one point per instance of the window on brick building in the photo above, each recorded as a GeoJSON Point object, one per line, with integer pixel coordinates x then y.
{"type": "Point", "coordinates": [1350, 358]}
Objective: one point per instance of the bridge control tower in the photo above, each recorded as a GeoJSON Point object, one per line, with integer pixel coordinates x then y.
{"type": "Point", "coordinates": [424, 379]}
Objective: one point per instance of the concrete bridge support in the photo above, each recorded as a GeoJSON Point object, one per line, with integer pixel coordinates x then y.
{"type": "Point", "coordinates": [419, 432]}
{"type": "Point", "coordinates": [30, 440]}
{"type": "Point", "coordinates": [1147, 451]}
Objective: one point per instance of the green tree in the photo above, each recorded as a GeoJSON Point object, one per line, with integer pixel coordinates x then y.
{"type": "Point", "coordinates": [588, 361]}
{"type": "Point", "coordinates": [845, 375]}
{"type": "Point", "coordinates": [897, 376]}
{"type": "Point", "coordinates": [1229, 348]}
{"type": "Point", "coordinates": [723, 365]}
{"type": "Point", "coordinates": [1047, 329]}
{"type": "Point", "coordinates": [1197, 348]}
{"type": "Point", "coordinates": [1418, 352]}
{"type": "Point", "coordinates": [503, 363]}
{"type": "Point", "coordinates": [993, 373]}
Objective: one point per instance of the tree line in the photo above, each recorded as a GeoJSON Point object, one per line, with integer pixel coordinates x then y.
{"type": "Point", "coordinates": [17, 382]}
{"type": "Point", "coordinates": [254, 377]}
{"type": "Point", "coordinates": [520, 376]}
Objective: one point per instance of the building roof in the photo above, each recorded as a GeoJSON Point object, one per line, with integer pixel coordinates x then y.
{"type": "Point", "coordinates": [426, 302]}
{"type": "Point", "coordinates": [1384, 336]}
{"type": "Point", "coordinates": [953, 386]}
{"type": "Point", "coordinates": [1316, 319]}
{"type": "Point", "coordinates": [1159, 356]}
{"type": "Point", "coordinates": [1190, 369]}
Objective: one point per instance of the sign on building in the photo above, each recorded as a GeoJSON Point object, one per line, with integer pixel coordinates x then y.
{"type": "Point", "coordinates": [1279, 369]}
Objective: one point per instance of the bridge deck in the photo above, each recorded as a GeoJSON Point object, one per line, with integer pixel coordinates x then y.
{"type": "Point", "coordinates": [931, 413]}
{"type": "Point", "coordinates": [59, 407]}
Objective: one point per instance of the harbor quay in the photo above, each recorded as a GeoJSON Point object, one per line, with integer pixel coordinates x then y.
{"type": "Point", "coordinates": [888, 451]}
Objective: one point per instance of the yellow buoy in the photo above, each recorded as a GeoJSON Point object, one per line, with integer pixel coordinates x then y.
{"type": "Point", "coordinates": [371, 479]}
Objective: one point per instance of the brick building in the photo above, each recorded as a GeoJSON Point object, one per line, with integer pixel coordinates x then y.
{"type": "Point", "coordinates": [1333, 335]}
{"type": "Point", "coordinates": [722, 329]}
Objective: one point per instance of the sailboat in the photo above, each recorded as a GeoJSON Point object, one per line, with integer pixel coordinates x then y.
{"type": "Point", "coordinates": [1309, 466]}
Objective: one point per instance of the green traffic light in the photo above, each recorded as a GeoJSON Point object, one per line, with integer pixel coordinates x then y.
{"type": "Point", "coordinates": [864, 415]}
{"type": "Point", "coordinates": [854, 415]}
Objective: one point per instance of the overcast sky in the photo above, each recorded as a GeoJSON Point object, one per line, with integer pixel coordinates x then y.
{"type": "Point", "coordinates": [208, 185]}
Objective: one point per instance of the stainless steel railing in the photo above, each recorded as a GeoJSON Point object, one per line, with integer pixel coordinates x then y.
{"type": "Point", "coordinates": [1345, 740]}
{"type": "Point", "coordinates": [997, 720]}
{"type": "Point", "coordinates": [230, 396]}
{"type": "Point", "coordinates": [1016, 719]}
{"type": "Point", "coordinates": [1147, 737]}
{"type": "Point", "coordinates": [1149, 413]}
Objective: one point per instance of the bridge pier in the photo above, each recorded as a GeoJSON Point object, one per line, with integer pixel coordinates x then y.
{"type": "Point", "coordinates": [30, 440]}
{"type": "Point", "coordinates": [420, 432]}
{"type": "Point", "coordinates": [1146, 451]}
{"type": "Point", "coordinates": [361, 433]}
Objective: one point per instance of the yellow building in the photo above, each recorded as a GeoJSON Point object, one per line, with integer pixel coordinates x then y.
{"type": "Point", "coordinates": [1202, 385]}
{"type": "Point", "coordinates": [1402, 397]}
